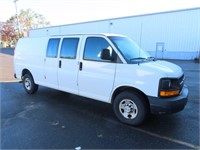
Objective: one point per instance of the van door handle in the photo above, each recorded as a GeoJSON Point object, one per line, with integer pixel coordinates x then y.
{"type": "Point", "coordinates": [80, 66]}
{"type": "Point", "coordinates": [60, 63]}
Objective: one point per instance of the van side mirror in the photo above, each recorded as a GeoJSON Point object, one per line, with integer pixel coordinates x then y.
{"type": "Point", "coordinates": [105, 55]}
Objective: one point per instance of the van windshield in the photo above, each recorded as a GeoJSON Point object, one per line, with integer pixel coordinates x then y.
{"type": "Point", "coordinates": [130, 50]}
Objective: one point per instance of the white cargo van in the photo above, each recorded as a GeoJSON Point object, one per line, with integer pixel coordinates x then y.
{"type": "Point", "coordinates": [104, 67]}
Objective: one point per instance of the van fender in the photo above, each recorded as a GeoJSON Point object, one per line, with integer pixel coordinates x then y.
{"type": "Point", "coordinates": [123, 88]}
{"type": "Point", "coordinates": [24, 72]}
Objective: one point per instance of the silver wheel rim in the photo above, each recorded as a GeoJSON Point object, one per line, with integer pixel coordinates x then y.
{"type": "Point", "coordinates": [128, 109]}
{"type": "Point", "coordinates": [27, 84]}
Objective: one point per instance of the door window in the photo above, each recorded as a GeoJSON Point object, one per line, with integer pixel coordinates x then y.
{"type": "Point", "coordinates": [93, 48]}
{"type": "Point", "coordinates": [69, 48]}
{"type": "Point", "coordinates": [52, 48]}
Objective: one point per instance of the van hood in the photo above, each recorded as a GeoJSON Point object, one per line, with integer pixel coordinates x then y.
{"type": "Point", "coordinates": [164, 68]}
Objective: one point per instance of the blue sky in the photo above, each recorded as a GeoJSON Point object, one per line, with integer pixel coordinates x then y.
{"type": "Point", "coordinates": [60, 12]}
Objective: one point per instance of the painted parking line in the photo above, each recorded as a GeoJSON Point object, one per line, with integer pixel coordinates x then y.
{"type": "Point", "coordinates": [158, 135]}
{"type": "Point", "coordinates": [167, 138]}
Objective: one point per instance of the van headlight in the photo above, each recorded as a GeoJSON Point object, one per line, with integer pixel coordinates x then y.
{"type": "Point", "coordinates": [170, 87]}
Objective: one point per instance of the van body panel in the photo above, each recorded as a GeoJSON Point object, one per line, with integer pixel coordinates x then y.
{"type": "Point", "coordinates": [96, 78]}
{"type": "Point", "coordinates": [67, 76]}
{"type": "Point", "coordinates": [51, 72]}
{"type": "Point", "coordinates": [164, 68]}
{"type": "Point", "coordinates": [69, 69]}
{"type": "Point", "coordinates": [133, 75]}
{"type": "Point", "coordinates": [78, 67]}
{"type": "Point", "coordinates": [145, 76]}
{"type": "Point", "coordinates": [30, 55]}
{"type": "Point", "coordinates": [102, 77]}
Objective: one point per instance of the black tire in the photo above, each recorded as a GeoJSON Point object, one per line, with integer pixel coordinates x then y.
{"type": "Point", "coordinates": [29, 84]}
{"type": "Point", "coordinates": [130, 108]}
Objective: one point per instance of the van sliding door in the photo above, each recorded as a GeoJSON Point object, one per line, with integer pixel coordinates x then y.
{"type": "Point", "coordinates": [68, 65]}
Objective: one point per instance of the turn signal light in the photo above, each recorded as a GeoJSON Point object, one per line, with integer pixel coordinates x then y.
{"type": "Point", "coordinates": [169, 93]}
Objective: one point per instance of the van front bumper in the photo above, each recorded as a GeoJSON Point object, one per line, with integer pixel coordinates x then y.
{"type": "Point", "coordinates": [169, 105]}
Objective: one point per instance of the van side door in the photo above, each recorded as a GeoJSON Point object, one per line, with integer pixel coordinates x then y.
{"type": "Point", "coordinates": [51, 63]}
{"type": "Point", "coordinates": [96, 76]}
{"type": "Point", "coordinates": [68, 65]}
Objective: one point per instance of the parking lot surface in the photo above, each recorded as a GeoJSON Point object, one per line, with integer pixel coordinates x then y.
{"type": "Point", "coordinates": [52, 119]}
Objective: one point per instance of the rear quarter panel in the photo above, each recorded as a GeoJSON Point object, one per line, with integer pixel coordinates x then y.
{"type": "Point", "coordinates": [30, 54]}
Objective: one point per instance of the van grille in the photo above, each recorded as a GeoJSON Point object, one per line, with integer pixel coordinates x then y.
{"type": "Point", "coordinates": [181, 81]}
{"type": "Point", "coordinates": [178, 83]}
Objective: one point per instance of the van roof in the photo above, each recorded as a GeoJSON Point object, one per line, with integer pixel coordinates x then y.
{"type": "Point", "coordinates": [95, 34]}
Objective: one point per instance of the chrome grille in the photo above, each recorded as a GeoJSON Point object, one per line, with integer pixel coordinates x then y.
{"type": "Point", "coordinates": [181, 81]}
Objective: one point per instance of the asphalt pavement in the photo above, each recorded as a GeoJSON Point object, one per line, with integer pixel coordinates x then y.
{"type": "Point", "coordinates": [51, 119]}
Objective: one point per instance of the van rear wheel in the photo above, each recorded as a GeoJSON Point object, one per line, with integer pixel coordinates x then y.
{"type": "Point", "coordinates": [130, 108]}
{"type": "Point", "coordinates": [29, 84]}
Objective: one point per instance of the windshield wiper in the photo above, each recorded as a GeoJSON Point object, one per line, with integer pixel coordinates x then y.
{"type": "Point", "coordinates": [152, 58]}
{"type": "Point", "coordinates": [138, 58]}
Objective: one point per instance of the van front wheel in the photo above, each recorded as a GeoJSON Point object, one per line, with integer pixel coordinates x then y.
{"type": "Point", "coordinates": [29, 84]}
{"type": "Point", "coordinates": [130, 108]}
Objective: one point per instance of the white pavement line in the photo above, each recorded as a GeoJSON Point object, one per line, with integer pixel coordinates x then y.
{"type": "Point", "coordinates": [159, 136]}
{"type": "Point", "coordinates": [167, 138]}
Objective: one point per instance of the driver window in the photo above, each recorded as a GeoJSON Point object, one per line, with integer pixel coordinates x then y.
{"type": "Point", "coordinates": [93, 48]}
